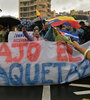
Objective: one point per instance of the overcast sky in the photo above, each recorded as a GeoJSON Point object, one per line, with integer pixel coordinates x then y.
{"type": "Point", "coordinates": [10, 7]}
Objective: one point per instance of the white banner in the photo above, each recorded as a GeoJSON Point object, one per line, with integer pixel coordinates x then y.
{"type": "Point", "coordinates": [18, 36]}
{"type": "Point", "coordinates": [40, 63]}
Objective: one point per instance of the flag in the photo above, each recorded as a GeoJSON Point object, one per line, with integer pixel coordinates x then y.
{"type": "Point", "coordinates": [69, 34]}
{"type": "Point", "coordinates": [39, 15]}
{"type": "Point", "coordinates": [60, 18]}
{"type": "Point", "coordinates": [60, 37]}
{"type": "Point", "coordinates": [71, 23]}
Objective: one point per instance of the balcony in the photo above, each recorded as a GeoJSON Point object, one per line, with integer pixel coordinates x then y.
{"type": "Point", "coordinates": [24, 0]}
{"type": "Point", "coordinates": [42, 3]}
{"type": "Point", "coordinates": [29, 11]}
{"type": "Point", "coordinates": [42, 9]}
{"type": "Point", "coordinates": [33, 4]}
{"type": "Point", "coordinates": [32, 16]}
{"type": "Point", "coordinates": [21, 6]}
{"type": "Point", "coordinates": [24, 11]}
{"type": "Point", "coordinates": [29, 5]}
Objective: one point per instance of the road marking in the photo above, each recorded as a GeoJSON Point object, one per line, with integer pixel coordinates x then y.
{"type": "Point", "coordinates": [82, 92]}
{"type": "Point", "coordinates": [80, 85]}
{"type": "Point", "coordinates": [46, 93]}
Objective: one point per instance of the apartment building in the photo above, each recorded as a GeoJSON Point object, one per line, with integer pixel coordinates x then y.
{"type": "Point", "coordinates": [27, 8]}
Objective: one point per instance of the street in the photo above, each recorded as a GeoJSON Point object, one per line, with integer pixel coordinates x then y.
{"type": "Point", "coordinates": [53, 92]}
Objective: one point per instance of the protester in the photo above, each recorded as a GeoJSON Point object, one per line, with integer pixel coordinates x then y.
{"type": "Point", "coordinates": [83, 26]}
{"type": "Point", "coordinates": [59, 27]}
{"type": "Point", "coordinates": [87, 35]}
{"type": "Point", "coordinates": [30, 38]}
{"type": "Point", "coordinates": [85, 52]}
{"type": "Point", "coordinates": [37, 36]}
{"type": "Point", "coordinates": [44, 30]}
{"type": "Point", "coordinates": [8, 31]}
{"type": "Point", "coordinates": [36, 28]}
{"type": "Point", "coordinates": [2, 33]}
{"type": "Point", "coordinates": [49, 36]}
{"type": "Point", "coordinates": [64, 28]}
{"type": "Point", "coordinates": [81, 32]}
{"type": "Point", "coordinates": [6, 35]}
{"type": "Point", "coordinates": [12, 28]}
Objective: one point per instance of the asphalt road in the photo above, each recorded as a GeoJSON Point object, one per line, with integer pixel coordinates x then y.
{"type": "Point", "coordinates": [54, 92]}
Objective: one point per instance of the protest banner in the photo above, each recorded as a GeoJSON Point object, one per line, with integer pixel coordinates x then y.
{"type": "Point", "coordinates": [40, 63]}
{"type": "Point", "coordinates": [18, 36]}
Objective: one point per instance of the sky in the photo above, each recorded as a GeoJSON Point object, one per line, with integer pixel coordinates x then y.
{"type": "Point", "coordinates": [10, 7]}
{"type": "Point", "coordinates": [67, 5]}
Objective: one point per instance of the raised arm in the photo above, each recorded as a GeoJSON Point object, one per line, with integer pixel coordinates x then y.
{"type": "Point", "coordinates": [85, 52]}
{"type": "Point", "coordinates": [30, 38]}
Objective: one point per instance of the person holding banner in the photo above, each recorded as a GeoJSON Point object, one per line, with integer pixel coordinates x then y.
{"type": "Point", "coordinates": [85, 52]}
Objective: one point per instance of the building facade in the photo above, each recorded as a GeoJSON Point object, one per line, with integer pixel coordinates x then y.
{"type": "Point", "coordinates": [80, 12]}
{"type": "Point", "coordinates": [27, 8]}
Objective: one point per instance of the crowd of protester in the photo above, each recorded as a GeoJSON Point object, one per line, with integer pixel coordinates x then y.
{"type": "Point", "coordinates": [4, 32]}
{"type": "Point", "coordinates": [46, 33]}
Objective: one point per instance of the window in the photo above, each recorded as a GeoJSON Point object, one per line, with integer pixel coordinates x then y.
{"type": "Point", "coordinates": [41, 6]}
{"type": "Point", "coordinates": [42, 12]}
